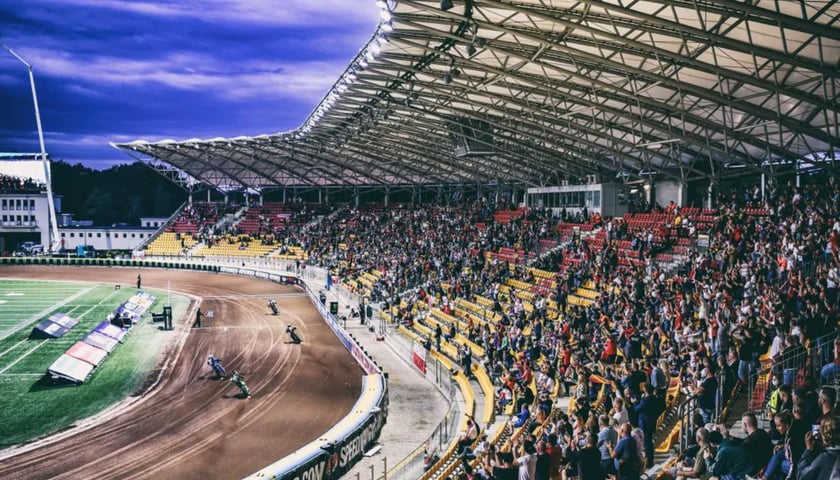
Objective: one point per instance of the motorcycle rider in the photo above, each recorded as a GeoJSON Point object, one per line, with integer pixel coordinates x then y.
{"type": "Point", "coordinates": [292, 331]}
{"type": "Point", "coordinates": [273, 306]}
{"type": "Point", "coordinates": [239, 380]}
{"type": "Point", "coordinates": [216, 365]}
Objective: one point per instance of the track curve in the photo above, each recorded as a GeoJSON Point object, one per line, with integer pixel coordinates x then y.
{"type": "Point", "coordinates": [190, 426]}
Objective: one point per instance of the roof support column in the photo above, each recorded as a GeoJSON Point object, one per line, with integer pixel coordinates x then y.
{"type": "Point", "coordinates": [710, 193]}
{"type": "Point", "coordinates": [208, 195]}
{"type": "Point", "coordinates": [261, 199]}
{"type": "Point", "coordinates": [226, 199]}
{"type": "Point", "coordinates": [387, 196]}
{"type": "Point", "coordinates": [356, 196]}
{"type": "Point", "coordinates": [320, 195]}
{"type": "Point", "coordinates": [763, 185]}
{"type": "Point", "coordinates": [189, 199]}
{"type": "Point", "coordinates": [284, 194]}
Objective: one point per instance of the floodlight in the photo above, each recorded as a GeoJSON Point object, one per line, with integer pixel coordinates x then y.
{"type": "Point", "coordinates": [446, 5]}
{"type": "Point", "coordinates": [447, 78]}
{"type": "Point", "coordinates": [471, 50]}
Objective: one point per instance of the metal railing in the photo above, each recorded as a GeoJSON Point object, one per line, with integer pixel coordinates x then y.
{"type": "Point", "coordinates": [794, 364]}
{"type": "Point", "coordinates": [160, 229]}
{"type": "Point", "coordinates": [415, 463]}
{"type": "Point", "coordinates": [685, 413]}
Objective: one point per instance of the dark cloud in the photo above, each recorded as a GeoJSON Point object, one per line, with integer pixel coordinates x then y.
{"type": "Point", "coordinates": [119, 71]}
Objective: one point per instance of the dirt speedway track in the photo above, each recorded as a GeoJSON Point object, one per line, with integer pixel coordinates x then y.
{"type": "Point", "coordinates": [189, 425]}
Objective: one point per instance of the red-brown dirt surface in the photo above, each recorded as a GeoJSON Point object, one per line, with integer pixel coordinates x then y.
{"type": "Point", "coordinates": [190, 425]}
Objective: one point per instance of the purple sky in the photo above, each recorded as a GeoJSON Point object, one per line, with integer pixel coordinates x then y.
{"type": "Point", "coordinates": [116, 70]}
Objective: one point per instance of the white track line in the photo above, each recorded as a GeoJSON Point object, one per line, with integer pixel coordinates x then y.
{"type": "Point", "coordinates": [36, 347]}
{"type": "Point", "coordinates": [45, 341]}
{"type": "Point", "coordinates": [12, 347]}
{"type": "Point", "coordinates": [44, 312]}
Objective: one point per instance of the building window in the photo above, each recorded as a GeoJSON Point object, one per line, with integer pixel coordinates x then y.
{"type": "Point", "coordinates": [90, 234]}
{"type": "Point", "coordinates": [5, 204]}
{"type": "Point", "coordinates": [32, 204]}
{"type": "Point", "coordinates": [72, 235]}
{"type": "Point", "coordinates": [63, 234]}
{"type": "Point", "coordinates": [98, 235]}
{"type": "Point", "coordinates": [132, 235]}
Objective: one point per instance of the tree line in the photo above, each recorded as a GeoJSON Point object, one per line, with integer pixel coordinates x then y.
{"type": "Point", "coordinates": [120, 194]}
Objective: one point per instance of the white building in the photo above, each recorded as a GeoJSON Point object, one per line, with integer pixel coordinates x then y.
{"type": "Point", "coordinates": [24, 217]}
{"type": "Point", "coordinates": [105, 238]}
{"type": "Point", "coordinates": [153, 222]}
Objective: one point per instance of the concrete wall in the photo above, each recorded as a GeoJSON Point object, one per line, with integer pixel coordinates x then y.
{"type": "Point", "coordinates": [670, 190]}
{"type": "Point", "coordinates": [610, 206]}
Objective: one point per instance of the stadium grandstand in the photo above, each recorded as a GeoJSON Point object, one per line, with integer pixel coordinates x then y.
{"type": "Point", "coordinates": [628, 208]}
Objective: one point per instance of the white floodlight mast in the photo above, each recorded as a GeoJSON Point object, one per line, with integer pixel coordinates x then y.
{"type": "Point", "coordinates": [52, 233]}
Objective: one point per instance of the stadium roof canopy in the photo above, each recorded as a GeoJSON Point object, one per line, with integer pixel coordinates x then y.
{"type": "Point", "coordinates": [535, 91]}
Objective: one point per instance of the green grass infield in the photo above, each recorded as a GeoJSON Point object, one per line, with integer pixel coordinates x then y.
{"type": "Point", "coordinates": [34, 405]}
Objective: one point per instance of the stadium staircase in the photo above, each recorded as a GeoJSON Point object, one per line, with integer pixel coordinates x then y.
{"type": "Point", "coordinates": [162, 228]}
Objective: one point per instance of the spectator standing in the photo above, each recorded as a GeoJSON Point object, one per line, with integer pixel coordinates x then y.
{"type": "Point", "coordinates": [606, 436]}
{"type": "Point", "coordinates": [706, 393]}
{"type": "Point", "coordinates": [526, 460]}
{"type": "Point", "coordinates": [626, 455]}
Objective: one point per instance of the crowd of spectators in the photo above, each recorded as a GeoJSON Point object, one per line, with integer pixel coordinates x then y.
{"type": "Point", "coordinates": [269, 224]}
{"type": "Point", "coordinates": [767, 284]}
{"type": "Point", "coordinates": [12, 184]}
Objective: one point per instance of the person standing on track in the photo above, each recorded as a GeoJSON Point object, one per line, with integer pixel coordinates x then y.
{"type": "Point", "coordinates": [138, 281]}
{"type": "Point", "coordinates": [198, 316]}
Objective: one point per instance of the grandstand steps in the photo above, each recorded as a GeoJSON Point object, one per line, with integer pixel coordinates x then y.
{"type": "Point", "coordinates": [198, 246]}
{"type": "Point", "coordinates": [230, 219]}
{"type": "Point", "coordinates": [733, 419]}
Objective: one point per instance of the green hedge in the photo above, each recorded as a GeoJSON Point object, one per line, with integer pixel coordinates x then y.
{"type": "Point", "coordinates": [108, 262]}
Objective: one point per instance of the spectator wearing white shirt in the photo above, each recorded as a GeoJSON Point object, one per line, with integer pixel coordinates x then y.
{"type": "Point", "coordinates": [526, 460]}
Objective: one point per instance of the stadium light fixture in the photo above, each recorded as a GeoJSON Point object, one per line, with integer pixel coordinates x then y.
{"type": "Point", "coordinates": [388, 26]}
{"type": "Point", "coordinates": [385, 15]}
{"type": "Point", "coordinates": [446, 5]}
{"type": "Point", "coordinates": [53, 222]}
{"type": "Point", "coordinates": [382, 4]}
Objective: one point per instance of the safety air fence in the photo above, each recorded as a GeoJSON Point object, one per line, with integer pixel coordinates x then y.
{"type": "Point", "coordinates": [340, 447]}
